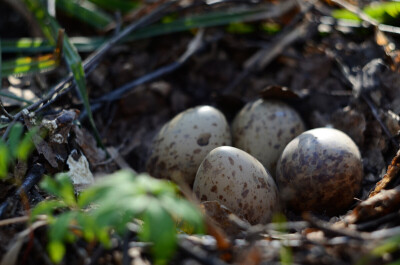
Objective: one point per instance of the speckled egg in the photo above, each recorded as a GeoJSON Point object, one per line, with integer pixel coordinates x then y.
{"type": "Point", "coordinates": [320, 171]}
{"type": "Point", "coordinates": [264, 127]}
{"type": "Point", "coordinates": [240, 182]}
{"type": "Point", "coordinates": [183, 142]}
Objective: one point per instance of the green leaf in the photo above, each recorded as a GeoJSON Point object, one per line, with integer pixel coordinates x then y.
{"type": "Point", "coordinates": [56, 251]}
{"type": "Point", "coordinates": [85, 12]}
{"type": "Point", "coordinates": [286, 255]}
{"type": "Point", "coordinates": [183, 210]}
{"type": "Point", "coordinates": [15, 138]}
{"type": "Point", "coordinates": [26, 146]}
{"type": "Point", "coordinates": [61, 186]}
{"type": "Point", "coordinates": [240, 28]}
{"type": "Point", "coordinates": [47, 207]}
{"type": "Point", "coordinates": [388, 246]}
{"type": "Point", "coordinates": [59, 229]}
{"type": "Point", "coordinates": [116, 200]}
{"type": "Point", "coordinates": [4, 159]}
{"type": "Point", "coordinates": [159, 228]}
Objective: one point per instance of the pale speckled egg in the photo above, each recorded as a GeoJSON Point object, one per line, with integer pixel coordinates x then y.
{"type": "Point", "coordinates": [320, 171]}
{"type": "Point", "coordinates": [184, 141]}
{"type": "Point", "coordinates": [263, 128]}
{"type": "Point", "coordinates": [240, 182]}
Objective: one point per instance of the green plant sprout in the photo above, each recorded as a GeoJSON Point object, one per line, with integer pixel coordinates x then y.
{"type": "Point", "coordinates": [109, 205]}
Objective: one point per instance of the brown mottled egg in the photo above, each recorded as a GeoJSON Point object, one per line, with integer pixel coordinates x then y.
{"type": "Point", "coordinates": [183, 142]}
{"type": "Point", "coordinates": [263, 128]}
{"type": "Point", "coordinates": [239, 181]}
{"type": "Point", "coordinates": [320, 171]}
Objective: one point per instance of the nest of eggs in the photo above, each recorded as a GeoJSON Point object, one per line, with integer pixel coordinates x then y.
{"type": "Point", "coordinates": [272, 163]}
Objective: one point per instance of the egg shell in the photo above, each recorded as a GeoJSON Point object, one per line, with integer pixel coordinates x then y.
{"type": "Point", "coordinates": [321, 171]}
{"type": "Point", "coordinates": [240, 182]}
{"type": "Point", "coordinates": [264, 127]}
{"type": "Point", "coordinates": [183, 142]}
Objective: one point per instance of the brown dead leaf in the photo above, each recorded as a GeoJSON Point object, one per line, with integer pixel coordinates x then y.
{"type": "Point", "coordinates": [391, 173]}
{"type": "Point", "coordinates": [380, 204]}
{"type": "Point", "coordinates": [41, 145]}
{"type": "Point", "coordinates": [88, 145]}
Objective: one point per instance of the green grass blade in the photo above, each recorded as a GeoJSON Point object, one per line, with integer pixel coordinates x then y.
{"type": "Point", "coordinates": [28, 65]}
{"type": "Point", "coordinates": [386, 12]}
{"type": "Point", "coordinates": [36, 45]}
{"type": "Point", "coordinates": [85, 12]}
{"type": "Point", "coordinates": [84, 44]}
{"type": "Point", "coordinates": [51, 28]}
{"type": "Point", "coordinates": [210, 19]}
{"type": "Point", "coordinates": [123, 6]}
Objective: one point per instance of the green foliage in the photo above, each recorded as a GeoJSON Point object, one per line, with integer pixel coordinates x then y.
{"type": "Point", "coordinates": [18, 146]}
{"type": "Point", "coordinates": [384, 12]}
{"type": "Point", "coordinates": [109, 205]}
{"type": "Point", "coordinates": [286, 255]}
{"type": "Point", "coordinates": [26, 65]}
{"type": "Point", "coordinates": [389, 246]}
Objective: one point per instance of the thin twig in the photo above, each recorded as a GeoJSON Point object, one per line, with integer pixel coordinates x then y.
{"type": "Point", "coordinates": [326, 227]}
{"type": "Point", "coordinates": [198, 255]}
{"type": "Point", "coordinates": [19, 219]}
{"type": "Point", "coordinates": [378, 221]}
{"type": "Point", "coordinates": [4, 111]}
{"type": "Point", "coordinates": [195, 45]}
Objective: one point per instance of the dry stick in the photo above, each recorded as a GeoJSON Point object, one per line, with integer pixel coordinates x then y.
{"type": "Point", "coordinates": [326, 227]}
{"type": "Point", "coordinates": [200, 256]}
{"type": "Point", "coordinates": [91, 62]}
{"type": "Point", "coordinates": [376, 222]}
{"type": "Point", "coordinates": [33, 177]}
{"type": "Point", "coordinates": [4, 111]}
{"type": "Point", "coordinates": [10, 221]}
